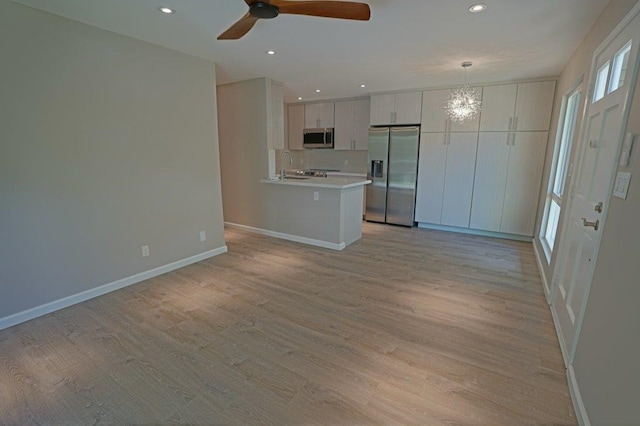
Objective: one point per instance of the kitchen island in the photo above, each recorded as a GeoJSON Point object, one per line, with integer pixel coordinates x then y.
{"type": "Point", "coordinates": [325, 212]}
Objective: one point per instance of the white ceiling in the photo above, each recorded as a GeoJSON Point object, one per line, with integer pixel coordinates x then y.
{"type": "Point", "coordinates": [406, 44]}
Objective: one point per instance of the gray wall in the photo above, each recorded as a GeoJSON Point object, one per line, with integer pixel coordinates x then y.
{"type": "Point", "coordinates": [242, 116]}
{"type": "Point", "coordinates": [606, 361]}
{"type": "Point", "coordinates": [106, 143]}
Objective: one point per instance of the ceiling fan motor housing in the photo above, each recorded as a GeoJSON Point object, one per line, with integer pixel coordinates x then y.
{"type": "Point", "coordinates": [263, 10]}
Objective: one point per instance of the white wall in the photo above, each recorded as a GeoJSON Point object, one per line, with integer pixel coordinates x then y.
{"type": "Point", "coordinates": [106, 143]}
{"type": "Point", "coordinates": [606, 362]}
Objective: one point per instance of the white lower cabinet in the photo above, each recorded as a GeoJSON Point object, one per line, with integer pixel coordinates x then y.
{"type": "Point", "coordinates": [507, 181]}
{"type": "Point", "coordinates": [445, 178]}
{"type": "Point", "coordinates": [526, 161]}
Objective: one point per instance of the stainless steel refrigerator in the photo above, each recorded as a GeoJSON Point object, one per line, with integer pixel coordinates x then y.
{"type": "Point", "coordinates": [393, 171]}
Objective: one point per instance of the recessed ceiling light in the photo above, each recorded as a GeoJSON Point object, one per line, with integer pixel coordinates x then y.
{"type": "Point", "coordinates": [317, 90]}
{"type": "Point", "coordinates": [363, 85]}
{"type": "Point", "coordinates": [480, 7]}
{"type": "Point", "coordinates": [271, 52]}
{"type": "Point", "coordinates": [299, 98]}
{"type": "Point", "coordinates": [167, 10]}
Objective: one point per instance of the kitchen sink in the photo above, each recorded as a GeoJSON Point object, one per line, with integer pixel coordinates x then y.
{"type": "Point", "coordinates": [297, 177]}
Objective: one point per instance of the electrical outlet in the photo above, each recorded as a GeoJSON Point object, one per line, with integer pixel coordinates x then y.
{"type": "Point", "coordinates": [316, 195]}
{"type": "Point", "coordinates": [203, 236]}
{"type": "Point", "coordinates": [145, 251]}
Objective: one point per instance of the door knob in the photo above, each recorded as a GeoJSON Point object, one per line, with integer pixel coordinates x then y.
{"type": "Point", "coordinates": [595, 225]}
{"type": "Point", "coordinates": [598, 207]}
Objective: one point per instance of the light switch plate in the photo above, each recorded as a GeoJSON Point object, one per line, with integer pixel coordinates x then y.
{"type": "Point", "coordinates": [621, 187]}
{"type": "Point", "coordinates": [316, 195]}
{"type": "Point", "coordinates": [203, 236]}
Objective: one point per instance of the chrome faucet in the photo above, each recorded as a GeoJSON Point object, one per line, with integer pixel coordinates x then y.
{"type": "Point", "coordinates": [282, 162]}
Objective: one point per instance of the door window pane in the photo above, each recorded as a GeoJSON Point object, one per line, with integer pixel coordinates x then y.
{"type": "Point", "coordinates": [552, 224]}
{"type": "Point", "coordinates": [566, 142]}
{"type": "Point", "coordinates": [601, 82]}
{"type": "Point", "coordinates": [620, 63]}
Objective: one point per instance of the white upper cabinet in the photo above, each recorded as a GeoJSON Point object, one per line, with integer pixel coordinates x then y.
{"type": "Point", "coordinates": [396, 108]}
{"type": "Point", "coordinates": [295, 126]}
{"type": "Point", "coordinates": [382, 108]}
{"type": "Point", "coordinates": [361, 121]}
{"type": "Point", "coordinates": [408, 108]}
{"type": "Point", "coordinates": [276, 125]}
{"type": "Point", "coordinates": [517, 107]}
{"type": "Point", "coordinates": [352, 125]}
{"type": "Point", "coordinates": [319, 116]}
{"type": "Point", "coordinates": [534, 105]}
{"type": "Point", "coordinates": [498, 106]}
{"type": "Point", "coordinates": [435, 118]}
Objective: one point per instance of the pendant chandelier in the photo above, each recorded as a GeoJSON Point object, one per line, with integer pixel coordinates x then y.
{"type": "Point", "coordinates": [464, 102]}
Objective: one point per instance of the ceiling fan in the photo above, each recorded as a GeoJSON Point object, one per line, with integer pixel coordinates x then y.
{"type": "Point", "coordinates": [268, 9]}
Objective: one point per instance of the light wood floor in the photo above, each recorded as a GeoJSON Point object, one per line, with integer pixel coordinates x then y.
{"type": "Point", "coordinates": [407, 326]}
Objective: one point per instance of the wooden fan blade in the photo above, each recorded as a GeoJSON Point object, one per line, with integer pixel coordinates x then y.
{"type": "Point", "coordinates": [326, 9]}
{"type": "Point", "coordinates": [240, 28]}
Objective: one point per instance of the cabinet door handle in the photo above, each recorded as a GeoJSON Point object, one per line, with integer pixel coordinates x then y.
{"type": "Point", "coordinates": [444, 139]}
{"type": "Point", "coordinates": [515, 123]}
{"type": "Point", "coordinates": [510, 123]}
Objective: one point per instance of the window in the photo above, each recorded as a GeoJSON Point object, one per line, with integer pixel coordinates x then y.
{"type": "Point", "coordinates": [559, 171]}
{"type": "Point", "coordinates": [601, 82]}
{"type": "Point", "coordinates": [620, 63]}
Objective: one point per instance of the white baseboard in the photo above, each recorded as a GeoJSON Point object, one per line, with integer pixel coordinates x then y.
{"type": "Point", "coordinates": [578, 404]}
{"type": "Point", "coordinates": [56, 305]}
{"type": "Point", "coordinates": [556, 325]}
{"type": "Point", "coordinates": [545, 282]}
{"type": "Point", "coordinates": [289, 237]}
{"type": "Point", "coordinates": [475, 232]}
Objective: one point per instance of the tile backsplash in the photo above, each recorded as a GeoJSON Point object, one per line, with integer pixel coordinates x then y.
{"type": "Point", "coordinates": [345, 161]}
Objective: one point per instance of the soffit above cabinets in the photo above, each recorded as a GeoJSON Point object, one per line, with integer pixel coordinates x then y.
{"type": "Point", "coordinates": [407, 44]}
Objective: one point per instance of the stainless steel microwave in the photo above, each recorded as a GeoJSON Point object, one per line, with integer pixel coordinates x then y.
{"type": "Point", "coordinates": [318, 138]}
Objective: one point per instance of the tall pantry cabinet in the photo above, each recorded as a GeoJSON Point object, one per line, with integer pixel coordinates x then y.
{"type": "Point", "coordinates": [514, 128]}
{"type": "Point", "coordinates": [485, 174]}
{"type": "Point", "coordinates": [447, 162]}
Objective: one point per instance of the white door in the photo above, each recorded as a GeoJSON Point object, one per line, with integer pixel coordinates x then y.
{"type": "Point", "coordinates": [458, 180]}
{"type": "Point", "coordinates": [613, 76]}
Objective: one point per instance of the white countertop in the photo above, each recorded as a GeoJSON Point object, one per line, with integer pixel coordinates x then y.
{"type": "Point", "coordinates": [320, 182]}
